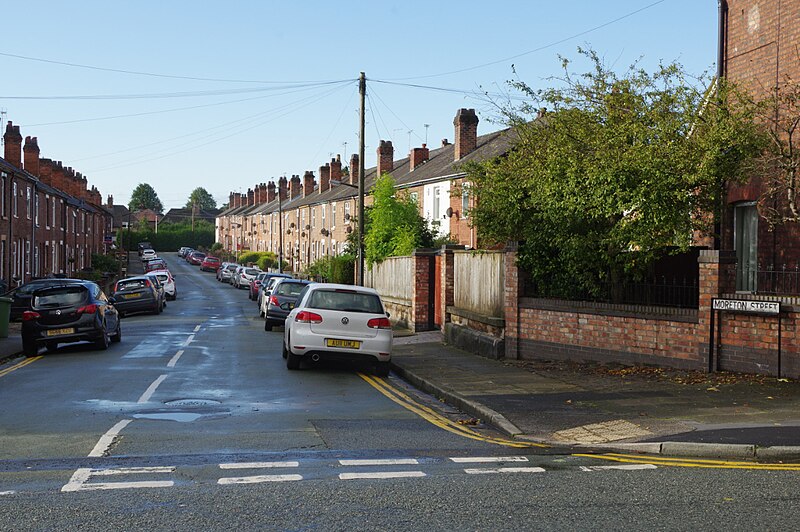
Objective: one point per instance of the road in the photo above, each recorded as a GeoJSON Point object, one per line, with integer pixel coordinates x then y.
{"type": "Point", "coordinates": [193, 421]}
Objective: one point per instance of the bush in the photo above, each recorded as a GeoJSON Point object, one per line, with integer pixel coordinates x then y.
{"type": "Point", "coordinates": [104, 263]}
{"type": "Point", "coordinates": [340, 269]}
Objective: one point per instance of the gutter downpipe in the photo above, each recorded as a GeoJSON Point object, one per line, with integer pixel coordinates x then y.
{"type": "Point", "coordinates": [721, 31]}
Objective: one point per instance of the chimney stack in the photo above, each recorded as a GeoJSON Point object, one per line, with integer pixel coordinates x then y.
{"type": "Point", "coordinates": [354, 169]}
{"type": "Point", "coordinates": [308, 183]}
{"type": "Point", "coordinates": [295, 189]}
{"type": "Point", "coordinates": [271, 192]}
{"type": "Point", "coordinates": [445, 143]}
{"type": "Point", "coordinates": [324, 178]}
{"type": "Point", "coordinates": [31, 153]}
{"type": "Point", "coordinates": [282, 188]}
{"type": "Point", "coordinates": [418, 156]}
{"type": "Point", "coordinates": [385, 158]}
{"type": "Point", "coordinates": [336, 169]}
{"type": "Point", "coordinates": [110, 202]}
{"type": "Point", "coordinates": [251, 197]}
{"type": "Point", "coordinates": [466, 123]}
{"type": "Point", "coordinates": [13, 142]}
{"type": "Point", "coordinates": [264, 194]}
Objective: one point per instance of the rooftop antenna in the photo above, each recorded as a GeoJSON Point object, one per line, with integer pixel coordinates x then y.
{"type": "Point", "coordinates": [345, 149]}
{"type": "Point", "coordinates": [410, 131]}
{"type": "Point", "coordinates": [2, 120]}
{"type": "Point", "coordinates": [426, 132]}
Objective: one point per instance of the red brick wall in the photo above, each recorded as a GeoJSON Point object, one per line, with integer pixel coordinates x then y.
{"type": "Point", "coordinates": [421, 311]}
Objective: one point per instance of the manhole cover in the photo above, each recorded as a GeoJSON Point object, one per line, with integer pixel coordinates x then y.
{"type": "Point", "coordinates": [192, 402]}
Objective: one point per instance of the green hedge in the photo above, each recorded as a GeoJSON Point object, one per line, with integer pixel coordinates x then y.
{"type": "Point", "coordinates": [168, 239]}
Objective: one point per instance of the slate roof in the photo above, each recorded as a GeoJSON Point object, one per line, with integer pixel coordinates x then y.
{"type": "Point", "coordinates": [183, 215]}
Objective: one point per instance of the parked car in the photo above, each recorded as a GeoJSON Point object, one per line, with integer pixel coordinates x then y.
{"type": "Point", "coordinates": [162, 292]}
{"type": "Point", "coordinates": [338, 322]}
{"type": "Point", "coordinates": [244, 276]}
{"type": "Point", "coordinates": [67, 313]}
{"type": "Point", "coordinates": [143, 246]}
{"type": "Point", "coordinates": [167, 281]}
{"type": "Point", "coordinates": [210, 264]}
{"type": "Point", "coordinates": [255, 284]}
{"type": "Point", "coordinates": [282, 300]}
{"type": "Point", "coordinates": [137, 294]}
{"type": "Point", "coordinates": [195, 257]}
{"type": "Point", "coordinates": [148, 254]}
{"type": "Point", "coordinates": [155, 264]}
{"type": "Point", "coordinates": [266, 287]}
{"type": "Point", "coordinates": [183, 251]}
{"type": "Point", "coordinates": [226, 274]}
{"type": "Point", "coordinates": [21, 296]}
{"type": "Point", "coordinates": [221, 268]}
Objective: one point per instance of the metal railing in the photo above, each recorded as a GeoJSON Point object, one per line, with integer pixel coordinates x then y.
{"type": "Point", "coordinates": [781, 280]}
{"type": "Point", "coordinates": [662, 291]}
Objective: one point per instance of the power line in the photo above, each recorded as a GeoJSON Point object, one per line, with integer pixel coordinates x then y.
{"type": "Point", "coordinates": [149, 74]}
{"type": "Point", "coordinates": [539, 49]}
{"type": "Point", "coordinates": [395, 115]}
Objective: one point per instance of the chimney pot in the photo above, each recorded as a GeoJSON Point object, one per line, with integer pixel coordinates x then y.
{"type": "Point", "coordinates": [466, 130]}
{"type": "Point", "coordinates": [385, 157]}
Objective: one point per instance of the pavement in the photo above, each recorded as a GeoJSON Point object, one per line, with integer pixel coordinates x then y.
{"type": "Point", "coordinates": [598, 407]}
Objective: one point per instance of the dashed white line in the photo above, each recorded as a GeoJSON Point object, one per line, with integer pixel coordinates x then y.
{"type": "Point", "coordinates": [188, 340]}
{"type": "Point", "coordinates": [488, 459]}
{"type": "Point", "coordinates": [381, 475]}
{"type": "Point", "coordinates": [7, 493]}
{"type": "Point", "coordinates": [148, 393]}
{"type": "Point", "coordinates": [196, 329]}
{"type": "Point", "coordinates": [629, 467]}
{"type": "Point", "coordinates": [79, 479]}
{"type": "Point", "coordinates": [174, 359]}
{"type": "Point", "coordinates": [107, 439]}
{"type": "Point", "coordinates": [489, 471]}
{"type": "Point", "coordinates": [397, 461]}
{"type": "Point", "coordinates": [258, 465]}
{"type": "Point", "coordinates": [256, 479]}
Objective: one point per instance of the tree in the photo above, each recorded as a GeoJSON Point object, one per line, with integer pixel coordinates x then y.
{"type": "Point", "coordinates": [202, 199]}
{"type": "Point", "coordinates": [395, 226]}
{"type": "Point", "coordinates": [145, 197]}
{"type": "Point", "coordinates": [619, 169]}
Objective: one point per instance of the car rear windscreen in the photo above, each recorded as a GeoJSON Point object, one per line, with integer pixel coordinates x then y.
{"type": "Point", "coordinates": [289, 289]}
{"type": "Point", "coordinates": [131, 284]}
{"type": "Point", "coordinates": [252, 271]}
{"type": "Point", "coordinates": [60, 297]}
{"type": "Point", "coordinates": [350, 301]}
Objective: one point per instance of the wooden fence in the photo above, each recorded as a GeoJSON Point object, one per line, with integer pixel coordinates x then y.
{"type": "Point", "coordinates": [478, 282]}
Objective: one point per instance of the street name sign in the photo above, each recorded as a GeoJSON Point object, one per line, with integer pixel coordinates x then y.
{"type": "Point", "coordinates": [747, 306]}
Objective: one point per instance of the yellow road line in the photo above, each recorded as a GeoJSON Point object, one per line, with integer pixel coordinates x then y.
{"type": "Point", "coordinates": [684, 462]}
{"type": "Point", "coordinates": [18, 366]}
{"type": "Point", "coordinates": [433, 417]}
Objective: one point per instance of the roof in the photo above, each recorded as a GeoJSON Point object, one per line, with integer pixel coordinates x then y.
{"type": "Point", "coordinates": [183, 215]}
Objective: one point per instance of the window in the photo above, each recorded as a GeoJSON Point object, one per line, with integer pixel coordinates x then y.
{"type": "Point", "coordinates": [322, 215]}
{"type": "Point", "coordinates": [347, 212]}
{"type": "Point", "coordinates": [436, 207]}
{"type": "Point", "coordinates": [28, 202]}
{"type": "Point", "coordinates": [53, 213]}
{"type": "Point", "coordinates": [745, 236]}
{"type": "Point", "coordinates": [14, 205]}
{"type": "Point", "coordinates": [27, 257]}
{"type": "Point", "coordinates": [333, 216]}
{"type": "Point", "coordinates": [313, 218]}
{"type": "Point", "coordinates": [414, 197]}
{"type": "Point", "coordinates": [2, 259]}
{"type": "Point", "coordinates": [465, 201]}
{"type": "Point", "coordinates": [36, 209]}
{"type": "Point", "coordinates": [3, 178]}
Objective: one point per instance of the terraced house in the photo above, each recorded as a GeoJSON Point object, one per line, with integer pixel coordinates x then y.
{"type": "Point", "coordinates": [310, 217]}
{"type": "Point", "coordinates": [50, 220]}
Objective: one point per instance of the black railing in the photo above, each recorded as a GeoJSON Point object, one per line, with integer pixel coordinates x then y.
{"type": "Point", "coordinates": [782, 280]}
{"type": "Point", "coordinates": [662, 291]}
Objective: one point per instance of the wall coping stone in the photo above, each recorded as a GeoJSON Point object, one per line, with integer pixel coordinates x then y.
{"type": "Point", "coordinates": [480, 318]}
{"type": "Point", "coordinates": [683, 315]}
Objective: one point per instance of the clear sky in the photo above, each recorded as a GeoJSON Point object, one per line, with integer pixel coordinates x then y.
{"type": "Point", "coordinates": [223, 95]}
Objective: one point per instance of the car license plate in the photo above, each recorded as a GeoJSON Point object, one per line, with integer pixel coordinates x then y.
{"type": "Point", "coordinates": [132, 296]}
{"type": "Point", "coordinates": [347, 344]}
{"type": "Point", "coordinates": [59, 332]}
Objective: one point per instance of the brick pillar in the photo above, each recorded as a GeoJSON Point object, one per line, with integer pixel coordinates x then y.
{"type": "Point", "coordinates": [421, 308]}
{"type": "Point", "coordinates": [447, 280]}
{"type": "Point", "coordinates": [717, 277]}
{"type": "Point", "coordinates": [512, 291]}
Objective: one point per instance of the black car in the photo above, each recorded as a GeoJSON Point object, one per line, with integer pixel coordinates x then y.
{"type": "Point", "coordinates": [67, 313]}
{"type": "Point", "coordinates": [138, 294]}
{"type": "Point", "coordinates": [21, 296]}
{"type": "Point", "coordinates": [143, 246]}
{"type": "Point", "coordinates": [282, 300]}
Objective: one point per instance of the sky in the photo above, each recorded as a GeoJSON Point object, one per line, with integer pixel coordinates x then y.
{"type": "Point", "coordinates": [183, 94]}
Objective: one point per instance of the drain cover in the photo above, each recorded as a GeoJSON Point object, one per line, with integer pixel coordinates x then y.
{"type": "Point", "coordinates": [192, 402]}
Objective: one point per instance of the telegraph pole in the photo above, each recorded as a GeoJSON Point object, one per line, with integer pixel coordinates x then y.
{"type": "Point", "coordinates": [362, 91]}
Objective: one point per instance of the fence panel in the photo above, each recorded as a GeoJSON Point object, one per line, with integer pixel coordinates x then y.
{"type": "Point", "coordinates": [392, 278]}
{"type": "Point", "coordinates": [478, 281]}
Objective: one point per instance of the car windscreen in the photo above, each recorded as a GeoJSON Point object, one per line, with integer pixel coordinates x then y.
{"type": "Point", "coordinates": [67, 296]}
{"type": "Point", "coordinates": [252, 271]}
{"type": "Point", "coordinates": [163, 277]}
{"type": "Point", "coordinates": [289, 289]}
{"type": "Point", "coordinates": [131, 284]}
{"type": "Point", "coordinates": [232, 267]}
{"type": "Point", "coordinates": [347, 300]}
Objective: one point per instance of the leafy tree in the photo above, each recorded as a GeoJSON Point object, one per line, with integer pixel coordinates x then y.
{"type": "Point", "coordinates": [620, 168]}
{"type": "Point", "coordinates": [202, 199]}
{"type": "Point", "coordinates": [145, 197]}
{"type": "Point", "coordinates": [395, 226]}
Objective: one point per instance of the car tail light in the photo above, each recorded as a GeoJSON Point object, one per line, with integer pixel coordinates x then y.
{"type": "Point", "coordinates": [147, 284]}
{"type": "Point", "coordinates": [379, 323]}
{"type": "Point", "coordinates": [88, 309]}
{"type": "Point", "coordinates": [308, 317]}
{"type": "Point", "coordinates": [29, 315]}
{"type": "Point", "coordinates": [273, 300]}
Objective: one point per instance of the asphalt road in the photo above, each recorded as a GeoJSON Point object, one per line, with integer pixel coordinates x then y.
{"type": "Point", "coordinates": [193, 421]}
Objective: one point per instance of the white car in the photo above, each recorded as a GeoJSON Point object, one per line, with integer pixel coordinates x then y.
{"type": "Point", "coordinates": [168, 282]}
{"type": "Point", "coordinates": [244, 276]}
{"type": "Point", "coordinates": [148, 254]}
{"type": "Point", "coordinates": [338, 322]}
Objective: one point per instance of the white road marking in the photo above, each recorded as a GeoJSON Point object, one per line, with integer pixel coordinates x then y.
{"type": "Point", "coordinates": [197, 328]}
{"type": "Point", "coordinates": [107, 439]}
{"type": "Point", "coordinates": [629, 467]}
{"type": "Point", "coordinates": [398, 461]}
{"type": "Point", "coordinates": [257, 465]}
{"type": "Point", "coordinates": [7, 492]}
{"type": "Point", "coordinates": [148, 393]}
{"type": "Point", "coordinates": [487, 459]}
{"type": "Point", "coordinates": [174, 359]}
{"type": "Point", "coordinates": [79, 479]}
{"type": "Point", "coordinates": [385, 474]}
{"type": "Point", "coordinates": [504, 470]}
{"type": "Point", "coordinates": [188, 340]}
{"type": "Point", "coordinates": [258, 479]}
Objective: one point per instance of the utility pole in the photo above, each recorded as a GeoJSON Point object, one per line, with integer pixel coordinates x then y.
{"type": "Point", "coordinates": [280, 231]}
{"type": "Point", "coordinates": [362, 91]}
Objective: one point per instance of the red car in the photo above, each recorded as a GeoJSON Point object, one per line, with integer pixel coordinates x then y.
{"type": "Point", "coordinates": [196, 258]}
{"type": "Point", "coordinates": [155, 264]}
{"type": "Point", "coordinates": [210, 264]}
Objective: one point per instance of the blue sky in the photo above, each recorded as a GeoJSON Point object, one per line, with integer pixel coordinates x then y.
{"type": "Point", "coordinates": [273, 89]}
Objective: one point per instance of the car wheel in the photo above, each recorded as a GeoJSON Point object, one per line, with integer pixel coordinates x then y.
{"type": "Point", "coordinates": [293, 361]}
{"type": "Point", "coordinates": [284, 351]}
{"type": "Point", "coordinates": [102, 342]}
{"type": "Point", "coordinates": [118, 335]}
{"type": "Point", "coordinates": [51, 346]}
{"type": "Point", "coordinates": [382, 369]}
{"type": "Point", "coordinates": [29, 348]}
{"type": "Point", "coordinates": [267, 325]}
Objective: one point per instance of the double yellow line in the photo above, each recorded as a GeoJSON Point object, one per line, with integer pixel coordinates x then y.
{"type": "Point", "coordinates": [15, 367]}
{"type": "Point", "coordinates": [666, 461]}
{"type": "Point", "coordinates": [433, 417]}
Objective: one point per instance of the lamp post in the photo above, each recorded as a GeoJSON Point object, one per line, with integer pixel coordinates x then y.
{"type": "Point", "coordinates": [235, 226]}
